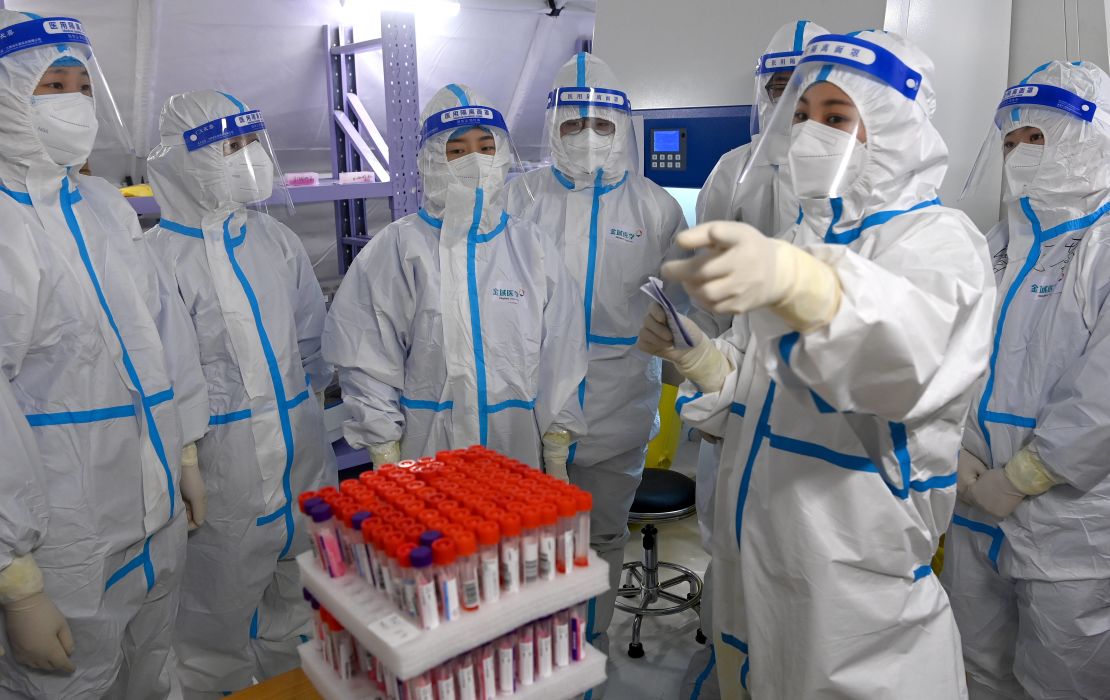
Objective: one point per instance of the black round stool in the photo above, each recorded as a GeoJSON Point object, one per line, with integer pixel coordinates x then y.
{"type": "Point", "coordinates": [663, 496]}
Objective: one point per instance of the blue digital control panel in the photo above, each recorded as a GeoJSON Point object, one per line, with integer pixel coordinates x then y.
{"type": "Point", "coordinates": [681, 146]}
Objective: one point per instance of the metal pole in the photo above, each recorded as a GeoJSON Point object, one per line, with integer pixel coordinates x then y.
{"type": "Point", "coordinates": [402, 109]}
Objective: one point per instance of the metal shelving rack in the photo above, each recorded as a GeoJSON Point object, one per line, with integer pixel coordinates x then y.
{"type": "Point", "coordinates": [356, 142]}
{"type": "Point", "coordinates": [393, 157]}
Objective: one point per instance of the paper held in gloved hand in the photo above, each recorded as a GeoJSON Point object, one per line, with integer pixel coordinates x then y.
{"type": "Point", "coordinates": [654, 289]}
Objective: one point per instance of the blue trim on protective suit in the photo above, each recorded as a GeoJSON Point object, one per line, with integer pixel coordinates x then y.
{"type": "Point", "coordinates": [786, 346]}
{"type": "Point", "coordinates": [181, 228]}
{"type": "Point", "coordinates": [823, 74]}
{"type": "Point", "coordinates": [737, 409]}
{"type": "Point", "coordinates": [1040, 237]}
{"type": "Point", "coordinates": [762, 432]}
{"type": "Point", "coordinates": [743, 648]}
{"type": "Point", "coordinates": [995, 533]}
{"type": "Point", "coordinates": [429, 219]}
{"type": "Point", "coordinates": [238, 105]}
{"type": "Point", "coordinates": [799, 34]}
{"type": "Point", "coordinates": [145, 400]}
{"type": "Point", "coordinates": [235, 416]}
{"type": "Point", "coordinates": [460, 94]}
{"type": "Point", "coordinates": [142, 559]}
{"type": "Point", "coordinates": [283, 404]}
{"type": "Point", "coordinates": [1015, 113]}
{"type": "Point", "coordinates": [876, 219]}
{"type": "Point", "coordinates": [94, 415]}
{"type": "Point", "coordinates": [921, 572]}
{"type": "Point", "coordinates": [581, 82]}
{"type": "Point", "coordinates": [476, 314]}
{"type": "Point", "coordinates": [254, 625]}
{"type": "Point", "coordinates": [683, 400]}
{"type": "Point", "coordinates": [822, 405]}
{"type": "Point", "coordinates": [20, 197]}
{"type": "Point", "coordinates": [704, 673]}
{"type": "Point", "coordinates": [417, 405]}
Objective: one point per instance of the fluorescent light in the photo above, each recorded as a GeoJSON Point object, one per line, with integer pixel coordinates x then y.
{"type": "Point", "coordinates": [433, 8]}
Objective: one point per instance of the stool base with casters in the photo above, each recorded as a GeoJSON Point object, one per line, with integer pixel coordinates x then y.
{"type": "Point", "coordinates": [663, 496]}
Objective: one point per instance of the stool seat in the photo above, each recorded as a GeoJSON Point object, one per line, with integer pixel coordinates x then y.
{"type": "Point", "coordinates": [663, 495]}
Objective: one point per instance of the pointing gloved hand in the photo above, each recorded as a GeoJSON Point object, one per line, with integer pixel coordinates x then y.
{"type": "Point", "coordinates": [1000, 491]}
{"type": "Point", "coordinates": [703, 364]}
{"type": "Point", "coordinates": [556, 451]}
{"type": "Point", "coordinates": [38, 633]}
{"type": "Point", "coordinates": [385, 453]}
{"type": "Point", "coordinates": [739, 269]}
{"type": "Point", "coordinates": [193, 491]}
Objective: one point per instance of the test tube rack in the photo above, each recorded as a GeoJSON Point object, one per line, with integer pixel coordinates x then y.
{"type": "Point", "coordinates": [407, 650]}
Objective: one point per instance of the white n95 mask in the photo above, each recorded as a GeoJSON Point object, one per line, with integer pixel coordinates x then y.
{"type": "Point", "coordinates": [473, 170]}
{"type": "Point", "coordinates": [250, 174]}
{"type": "Point", "coordinates": [66, 125]}
{"type": "Point", "coordinates": [1021, 167]}
{"type": "Point", "coordinates": [588, 149]}
{"type": "Point", "coordinates": [824, 162]}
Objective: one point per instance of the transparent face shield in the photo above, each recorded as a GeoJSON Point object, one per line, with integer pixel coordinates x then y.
{"type": "Point", "coordinates": [242, 145]}
{"type": "Point", "coordinates": [1014, 144]}
{"type": "Point", "coordinates": [588, 129]}
{"type": "Point", "coordinates": [772, 75]}
{"type": "Point", "coordinates": [468, 146]}
{"type": "Point", "coordinates": [816, 129]}
{"type": "Point", "coordinates": [74, 71]}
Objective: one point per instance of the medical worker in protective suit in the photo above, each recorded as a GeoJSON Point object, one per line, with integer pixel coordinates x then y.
{"type": "Point", "coordinates": [459, 325]}
{"type": "Point", "coordinates": [863, 332]}
{"type": "Point", "coordinates": [259, 314]}
{"type": "Point", "coordinates": [1027, 558]}
{"type": "Point", "coordinates": [94, 509]}
{"type": "Point", "coordinates": [614, 229]}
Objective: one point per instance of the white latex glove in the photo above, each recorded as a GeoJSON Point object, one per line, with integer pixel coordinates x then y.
{"type": "Point", "coordinates": [556, 451]}
{"type": "Point", "coordinates": [994, 493]}
{"type": "Point", "coordinates": [38, 633]}
{"type": "Point", "coordinates": [193, 491]}
{"type": "Point", "coordinates": [968, 471]}
{"type": "Point", "coordinates": [702, 364]}
{"type": "Point", "coordinates": [739, 269]}
{"type": "Point", "coordinates": [385, 453]}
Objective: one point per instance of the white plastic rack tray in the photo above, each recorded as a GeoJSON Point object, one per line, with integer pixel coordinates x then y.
{"type": "Point", "coordinates": [563, 684]}
{"type": "Point", "coordinates": [409, 650]}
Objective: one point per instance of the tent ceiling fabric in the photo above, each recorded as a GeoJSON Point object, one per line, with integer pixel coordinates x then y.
{"type": "Point", "coordinates": [269, 53]}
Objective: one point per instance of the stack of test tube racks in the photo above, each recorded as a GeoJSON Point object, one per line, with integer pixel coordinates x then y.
{"type": "Point", "coordinates": [442, 537]}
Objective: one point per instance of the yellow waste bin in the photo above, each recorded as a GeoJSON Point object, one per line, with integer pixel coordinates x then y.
{"type": "Point", "coordinates": [662, 449]}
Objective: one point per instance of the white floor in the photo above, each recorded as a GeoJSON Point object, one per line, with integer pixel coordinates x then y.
{"type": "Point", "coordinates": [668, 641]}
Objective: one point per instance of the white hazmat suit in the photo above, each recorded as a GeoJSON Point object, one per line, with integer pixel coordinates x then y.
{"type": "Point", "coordinates": [459, 325]}
{"type": "Point", "coordinates": [96, 349]}
{"type": "Point", "coordinates": [1031, 591]}
{"type": "Point", "coordinates": [615, 229]}
{"type": "Point", "coordinates": [259, 314]}
{"type": "Point", "coordinates": [838, 474]}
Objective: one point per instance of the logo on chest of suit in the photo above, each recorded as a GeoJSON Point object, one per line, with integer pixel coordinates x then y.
{"type": "Point", "coordinates": [627, 236]}
{"type": "Point", "coordinates": [508, 294]}
{"type": "Point", "coordinates": [1048, 278]}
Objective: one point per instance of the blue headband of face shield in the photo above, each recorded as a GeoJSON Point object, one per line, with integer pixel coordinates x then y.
{"type": "Point", "coordinates": [588, 97]}
{"type": "Point", "coordinates": [458, 118]}
{"type": "Point", "coordinates": [47, 31]}
{"type": "Point", "coordinates": [1051, 96]}
{"type": "Point", "coordinates": [224, 128]}
{"type": "Point", "coordinates": [865, 57]}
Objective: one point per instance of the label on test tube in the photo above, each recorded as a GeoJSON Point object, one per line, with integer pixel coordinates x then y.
{"type": "Point", "coordinates": [526, 662]}
{"type": "Point", "coordinates": [562, 644]}
{"type": "Point", "coordinates": [470, 596]}
{"type": "Point", "coordinates": [506, 671]}
{"type": "Point", "coordinates": [422, 692]}
{"type": "Point", "coordinates": [510, 569]}
{"type": "Point", "coordinates": [445, 688]}
{"type": "Point", "coordinates": [345, 656]}
{"type": "Point", "coordinates": [491, 577]}
{"type": "Point", "coordinates": [489, 678]}
{"type": "Point", "coordinates": [543, 653]}
{"type": "Point", "coordinates": [567, 544]}
{"type": "Point", "coordinates": [531, 559]}
{"type": "Point", "coordinates": [547, 557]}
{"type": "Point", "coordinates": [468, 689]}
{"type": "Point", "coordinates": [451, 599]}
{"type": "Point", "coordinates": [394, 629]}
{"type": "Point", "coordinates": [427, 605]}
